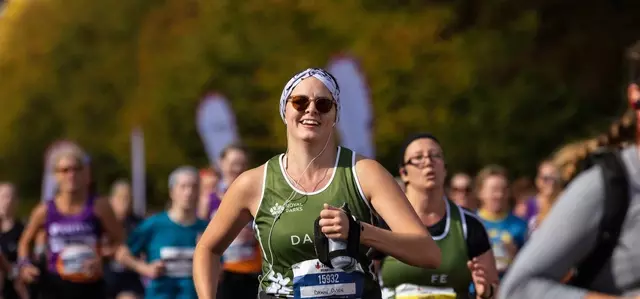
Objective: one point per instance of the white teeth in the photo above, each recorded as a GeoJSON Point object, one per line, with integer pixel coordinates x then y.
{"type": "Point", "coordinates": [310, 122]}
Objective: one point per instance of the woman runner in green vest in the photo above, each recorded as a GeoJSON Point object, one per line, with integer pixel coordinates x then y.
{"type": "Point", "coordinates": [466, 251]}
{"type": "Point", "coordinates": [298, 192]}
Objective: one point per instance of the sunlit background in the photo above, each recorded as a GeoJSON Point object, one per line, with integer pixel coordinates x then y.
{"type": "Point", "coordinates": [497, 81]}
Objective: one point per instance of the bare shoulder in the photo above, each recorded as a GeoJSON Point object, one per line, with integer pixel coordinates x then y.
{"type": "Point", "coordinates": [39, 213]}
{"type": "Point", "coordinates": [372, 175]}
{"type": "Point", "coordinates": [367, 168]}
{"type": "Point", "coordinates": [247, 188]}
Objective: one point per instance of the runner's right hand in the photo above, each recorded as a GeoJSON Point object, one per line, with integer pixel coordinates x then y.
{"type": "Point", "coordinates": [29, 273]}
{"type": "Point", "coordinates": [153, 270]}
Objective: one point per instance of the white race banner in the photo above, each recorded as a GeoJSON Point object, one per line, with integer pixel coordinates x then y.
{"type": "Point", "coordinates": [138, 174]}
{"type": "Point", "coordinates": [48, 177]}
{"type": "Point", "coordinates": [216, 124]}
{"type": "Point", "coordinates": [356, 117]}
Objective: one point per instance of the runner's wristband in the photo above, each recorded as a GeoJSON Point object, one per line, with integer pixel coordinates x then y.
{"type": "Point", "coordinates": [491, 292]}
{"type": "Point", "coordinates": [22, 262]}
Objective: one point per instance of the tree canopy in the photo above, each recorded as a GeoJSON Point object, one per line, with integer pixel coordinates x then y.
{"type": "Point", "coordinates": [498, 81]}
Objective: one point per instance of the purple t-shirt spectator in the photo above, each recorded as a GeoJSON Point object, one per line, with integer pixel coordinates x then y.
{"type": "Point", "coordinates": [532, 208]}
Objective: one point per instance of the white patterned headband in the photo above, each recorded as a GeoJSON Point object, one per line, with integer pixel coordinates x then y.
{"type": "Point", "coordinates": [327, 79]}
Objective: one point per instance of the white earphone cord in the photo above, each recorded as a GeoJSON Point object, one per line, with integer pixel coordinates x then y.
{"type": "Point", "coordinates": [286, 202]}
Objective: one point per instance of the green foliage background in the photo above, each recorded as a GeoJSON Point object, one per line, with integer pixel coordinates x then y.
{"type": "Point", "coordinates": [498, 81]}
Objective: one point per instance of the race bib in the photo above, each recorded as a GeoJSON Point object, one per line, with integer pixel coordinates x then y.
{"type": "Point", "coordinates": [178, 261]}
{"type": "Point", "coordinates": [71, 262]}
{"type": "Point", "coordinates": [410, 291]}
{"type": "Point", "coordinates": [312, 279]}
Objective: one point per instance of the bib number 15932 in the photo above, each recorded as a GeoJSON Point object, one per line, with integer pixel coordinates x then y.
{"type": "Point", "coordinates": [331, 278]}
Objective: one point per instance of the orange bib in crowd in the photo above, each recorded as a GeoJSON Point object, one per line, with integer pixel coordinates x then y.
{"type": "Point", "coordinates": [243, 255]}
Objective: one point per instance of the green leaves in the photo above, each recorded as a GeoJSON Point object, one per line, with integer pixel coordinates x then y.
{"type": "Point", "coordinates": [485, 83]}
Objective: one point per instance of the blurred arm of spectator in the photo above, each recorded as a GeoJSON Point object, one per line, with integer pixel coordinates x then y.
{"type": "Point", "coordinates": [562, 241]}
{"type": "Point", "coordinates": [136, 246]}
{"type": "Point", "coordinates": [5, 265]}
{"type": "Point", "coordinates": [112, 228]}
{"type": "Point", "coordinates": [39, 245]}
{"type": "Point", "coordinates": [27, 271]}
{"type": "Point", "coordinates": [203, 207]}
{"type": "Point", "coordinates": [107, 250]}
{"type": "Point", "coordinates": [21, 289]}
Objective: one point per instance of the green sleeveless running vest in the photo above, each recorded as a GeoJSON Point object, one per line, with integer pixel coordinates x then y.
{"type": "Point", "coordinates": [452, 273]}
{"type": "Point", "coordinates": [289, 240]}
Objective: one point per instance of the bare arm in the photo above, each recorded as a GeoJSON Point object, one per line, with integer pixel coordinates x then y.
{"type": "Point", "coordinates": [36, 221]}
{"type": "Point", "coordinates": [138, 240]}
{"type": "Point", "coordinates": [124, 256]}
{"type": "Point", "coordinates": [488, 262]}
{"type": "Point", "coordinates": [111, 225]}
{"type": "Point", "coordinates": [234, 213]}
{"type": "Point", "coordinates": [408, 241]}
{"type": "Point", "coordinates": [541, 264]}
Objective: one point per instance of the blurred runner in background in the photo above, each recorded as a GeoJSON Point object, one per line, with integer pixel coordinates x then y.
{"type": "Point", "coordinates": [167, 240]}
{"type": "Point", "coordinates": [10, 230]}
{"type": "Point", "coordinates": [506, 231]}
{"type": "Point", "coordinates": [122, 283]}
{"type": "Point", "coordinates": [74, 221]}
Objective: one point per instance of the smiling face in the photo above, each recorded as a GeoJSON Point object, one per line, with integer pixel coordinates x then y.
{"type": "Point", "coordinates": [310, 112]}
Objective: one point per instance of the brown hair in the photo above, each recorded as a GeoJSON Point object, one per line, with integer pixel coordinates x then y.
{"type": "Point", "coordinates": [570, 157]}
{"type": "Point", "coordinates": [620, 133]}
{"type": "Point", "coordinates": [485, 173]}
{"type": "Point", "coordinates": [234, 146]}
{"type": "Point", "coordinates": [209, 171]}
{"type": "Point", "coordinates": [118, 183]}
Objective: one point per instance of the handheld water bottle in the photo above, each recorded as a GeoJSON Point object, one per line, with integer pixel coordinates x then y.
{"type": "Point", "coordinates": [342, 260]}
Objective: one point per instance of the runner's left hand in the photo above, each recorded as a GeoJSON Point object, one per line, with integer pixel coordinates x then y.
{"type": "Point", "coordinates": [334, 223]}
{"type": "Point", "coordinates": [479, 277]}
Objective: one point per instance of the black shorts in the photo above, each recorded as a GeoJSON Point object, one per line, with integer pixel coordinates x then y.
{"type": "Point", "coordinates": [118, 283]}
{"type": "Point", "coordinates": [238, 286]}
{"type": "Point", "coordinates": [54, 287]}
{"type": "Point", "coordinates": [9, 291]}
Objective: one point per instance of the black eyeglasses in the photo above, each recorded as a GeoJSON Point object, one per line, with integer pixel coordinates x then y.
{"type": "Point", "coordinates": [301, 103]}
{"type": "Point", "coordinates": [549, 179]}
{"type": "Point", "coordinates": [420, 161]}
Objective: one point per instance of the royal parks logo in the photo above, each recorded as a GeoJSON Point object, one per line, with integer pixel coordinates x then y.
{"type": "Point", "coordinates": [291, 207]}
